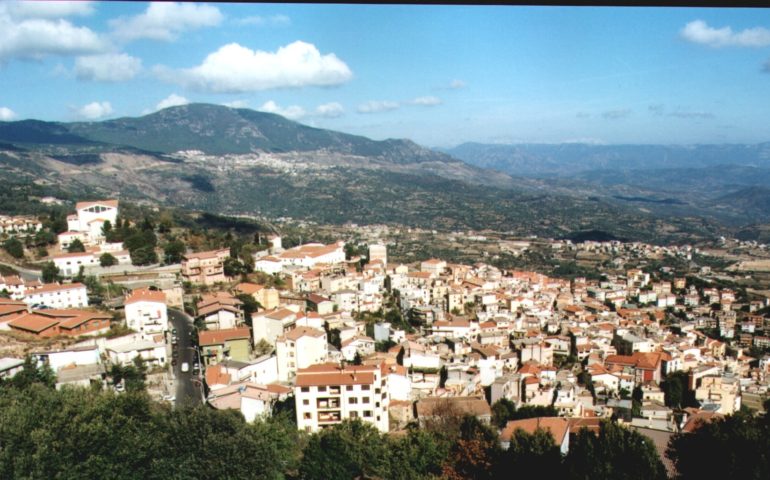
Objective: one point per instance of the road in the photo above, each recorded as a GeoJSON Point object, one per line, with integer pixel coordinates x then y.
{"type": "Point", "coordinates": [188, 386]}
{"type": "Point", "coordinates": [25, 273]}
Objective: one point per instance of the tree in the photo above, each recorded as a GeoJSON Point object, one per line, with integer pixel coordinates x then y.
{"type": "Point", "coordinates": [173, 251]}
{"type": "Point", "coordinates": [233, 267]}
{"type": "Point", "coordinates": [14, 247]}
{"type": "Point", "coordinates": [676, 391]}
{"type": "Point", "coordinates": [474, 454]}
{"type": "Point", "coordinates": [352, 449]}
{"type": "Point", "coordinates": [737, 446]}
{"type": "Point", "coordinates": [31, 373]}
{"type": "Point", "coordinates": [76, 246]}
{"type": "Point", "coordinates": [531, 452]}
{"type": "Point", "coordinates": [107, 260]}
{"type": "Point", "coordinates": [503, 411]}
{"type": "Point", "coordinates": [263, 347]}
{"type": "Point", "coordinates": [144, 255]}
{"type": "Point", "coordinates": [616, 452]}
{"type": "Point", "coordinates": [250, 305]}
{"type": "Point", "coordinates": [50, 273]}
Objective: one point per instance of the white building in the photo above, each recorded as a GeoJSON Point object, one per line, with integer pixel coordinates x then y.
{"type": "Point", "coordinates": [55, 295]}
{"type": "Point", "coordinates": [90, 219]}
{"type": "Point", "coordinates": [152, 353]}
{"type": "Point", "coordinates": [263, 370]}
{"type": "Point", "coordinates": [75, 356]}
{"type": "Point", "coordinates": [146, 312]}
{"type": "Point", "coordinates": [69, 263]}
{"type": "Point", "coordinates": [378, 252]}
{"type": "Point", "coordinates": [270, 325]}
{"type": "Point", "coordinates": [299, 348]}
{"type": "Point", "coordinates": [326, 395]}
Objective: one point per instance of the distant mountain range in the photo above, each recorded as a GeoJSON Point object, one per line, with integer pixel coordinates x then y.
{"type": "Point", "coordinates": [239, 161]}
{"type": "Point", "coordinates": [571, 158]}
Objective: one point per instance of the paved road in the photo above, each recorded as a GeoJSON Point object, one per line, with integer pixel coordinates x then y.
{"type": "Point", "coordinates": [25, 273]}
{"type": "Point", "coordinates": [188, 386]}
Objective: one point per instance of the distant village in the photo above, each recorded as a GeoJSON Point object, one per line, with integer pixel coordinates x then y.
{"type": "Point", "coordinates": [357, 336]}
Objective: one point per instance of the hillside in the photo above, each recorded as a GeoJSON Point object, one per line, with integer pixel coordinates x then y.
{"type": "Point", "coordinates": [238, 161]}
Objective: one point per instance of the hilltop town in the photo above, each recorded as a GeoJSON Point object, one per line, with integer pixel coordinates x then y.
{"type": "Point", "coordinates": [341, 331]}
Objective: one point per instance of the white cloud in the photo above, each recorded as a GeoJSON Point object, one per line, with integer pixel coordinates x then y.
{"type": "Point", "coordinates": [35, 38]}
{"type": "Point", "coordinates": [455, 84]}
{"type": "Point", "coordinates": [38, 9]}
{"type": "Point", "coordinates": [237, 69]}
{"type": "Point", "coordinates": [237, 104]}
{"type": "Point", "coordinates": [426, 101]}
{"type": "Point", "coordinates": [95, 110]}
{"type": "Point", "coordinates": [330, 110]}
{"type": "Point", "coordinates": [699, 31]}
{"type": "Point", "coordinates": [377, 106]}
{"type": "Point", "coordinates": [293, 112]}
{"type": "Point", "coordinates": [6, 114]}
{"type": "Point", "coordinates": [172, 100]}
{"type": "Point", "coordinates": [270, 21]}
{"type": "Point", "coordinates": [107, 67]}
{"type": "Point", "coordinates": [165, 21]}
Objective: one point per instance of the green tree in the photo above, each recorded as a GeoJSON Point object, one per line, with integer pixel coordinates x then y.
{"type": "Point", "coordinates": [107, 260]}
{"type": "Point", "coordinates": [531, 452]}
{"type": "Point", "coordinates": [14, 247]}
{"type": "Point", "coordinates": [349, 450]}
{"type": "Point", "coordinates": [76, 246]}
{"type": "Point", "coordinates": [737, 446]}
{"type": "Point", "coordinates": [417, 455]}
{"type": "Point", "coordinates": [144, 255]}
{"type": "Point", "coordinates": [475, 454]}
{"type": "Point", "coordinates": [503, 411]}
{"type": "Point", "coordinates": [616, 452]}
{"type": "Point", "coordinates": [32, 373]}
{"type": "Point", "coordinates": [676, 391]}
{"type": "Point", "coordinates": [250, 305]}
{"type": "Point", "coordinates": [173, 251]}
{"type": "Point", "coordinates": [50, 273]}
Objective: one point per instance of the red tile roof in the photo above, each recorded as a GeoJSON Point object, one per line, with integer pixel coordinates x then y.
{"type": "Point", "coordinates": [219, 337]}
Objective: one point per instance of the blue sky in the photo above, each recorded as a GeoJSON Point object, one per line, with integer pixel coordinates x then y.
{"type": "Point", "coordinates": [439, 75]}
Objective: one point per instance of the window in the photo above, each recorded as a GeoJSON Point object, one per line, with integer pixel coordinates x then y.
{"type": "Point", "coordinates": [376, 390]}
{"type": "Point", "coordinates": [306, 416]}
{"type": "Point", "coordinates": [365, 399]}
{"type": "Point", "coordinates": [349, 388]}
{"type": "Point", "coordinates": [305, 402]}
{"type": "Point", "coordinates": [352, 400]}
{"type": "Point", "coordinates": [367, 413]}
{"type": "Point", "coordinates": [321, 389]}
{"type": "Point", "coordinates": [366, 387]}
{"type": "Point", "coordinates": [305, 389]}
{"type": "Point", "coordinates": [353, 414]}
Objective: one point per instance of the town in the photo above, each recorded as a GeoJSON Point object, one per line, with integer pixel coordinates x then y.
{"type": "Point", "coordinates": [342, 332]}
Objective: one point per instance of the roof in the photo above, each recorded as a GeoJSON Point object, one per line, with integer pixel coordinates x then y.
{"type": "Point", "coordinates": [33, 322]}
{"type": "Point", "coordinates": [145, 295]}
{"type": "Point", "coordinates": [324, 374]}
{"type": "Point", "coordinates": [108, 203]}
{"type": "Point", "coordinates": [207, 254]}
{"type": "Point", "coordinates": [218, 337]}
{"type": "Point", "coordinates": [11, 308]}
{"type": "Point", "coordinates": [249, 288]}
{"type": "Point", "coordinates": [216, 375]}
{"type": "Point", "coordinates": [56, 287]}
{"type": "Point", "coordinates": [296, 333]}
{"type": "Point", "coordinates": [135, 346]}
{"type": "Point", "coordinates": [215, 308]}
{"type": "Point", "coordinates": [475, 406]}
{"type": "Point", "coordinates": [556, 426]}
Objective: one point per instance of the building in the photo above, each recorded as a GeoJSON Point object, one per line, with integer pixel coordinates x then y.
{"type": "Point", "coordinates": [10, 366]}
{"type": "Point", "coordinates": [558, 427]}
{"type": "Point", "coordinates": [378, 253]}
{"type": "Point", "coordinates": [299, 348]}
{"type": "Point", "coordinates": [252, 400]}
{"type": "Point", "coordinates": [56, 295]}
{"type": "Point", "coordinates": [146, 312]}
{"type": "Point", "coordinates": [270, 325]}
{"type": "Point", "coordinates": [267, 297]}
{"type": "Point", "coordinates": [69, 263]}
{"type": "Point", "coordinates": [71, 323]}
{"type": "Point", "coordinates": [205, 268]}
{"type": "Point", "coordinates": [88, 222]}
{"type": "Point", "coordinates": [220, 311]}
{"type": "Point", "coordinates": [327, 394]}
{"type": "Point", "coordinates": [231, 343]}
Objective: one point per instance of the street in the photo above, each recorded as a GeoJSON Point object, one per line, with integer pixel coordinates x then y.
{"type": "Point", "coordinates": [188, 386]}
{"type": "Point", "coordinates": [25, 273]}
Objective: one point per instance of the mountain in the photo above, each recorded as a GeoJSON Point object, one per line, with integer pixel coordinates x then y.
{"type": "Point", "coordinates": [570, 158]}
{"type": "Point", "coordinates": [238, 161]}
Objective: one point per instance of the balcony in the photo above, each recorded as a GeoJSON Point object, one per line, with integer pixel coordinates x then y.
{"type": "Point", "coordinates": [329, 417]}
{"type": "Point", "coordinates": [328, 403]}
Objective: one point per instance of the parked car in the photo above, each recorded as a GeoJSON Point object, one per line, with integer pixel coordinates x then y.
{"type": "Point", "coordinates": [173, 362]}
{"type": "Point", "coordinates": [196, 368]}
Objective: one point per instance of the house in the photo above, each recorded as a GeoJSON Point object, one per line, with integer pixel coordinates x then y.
{"type": "Point", "coordinates": [327, 394]}
{"type": "Point", "coordinates": [252, 400]}
{"type": "Point", "coordinates": [647, 366]}
{"type": "Point", "coordinates": [146, 312]}
{"type": "Point", "coordinates": [359, 344]}
{"type": "Point", "coordinates": [270, 325]}
{"type": "Point", "coordinates": [220, 311]}
{"type": "Point", "coordinates": [231, 343]}
{"type": "Point", "coordinates": [57, 359]}
{"type": "Point", "coordinates": [431, 408]}
{"type": "Point", "coordinates": [152, 353]}
{"type": "Point", "coordinates": [81, 376]}
{"type": "Point", "coordinates": [267, 297]}
{"type": "Point", "coordinates": [56, 295]}
{"type": "Point", "coordinates": [319, 304]}
{"type": "Point", "coordinates": [69, 263]}
{"type": "Point", "coordinates": [87, 223]}
{"type": "Point", "coordinates": [10, 366]}
{"type": "Point", "coordinates": [558, 427]}
{"type": "Point", "coordinates": [10, 309]}
{"type": "Point", "coordinates": [298, 348]}
{"type": "Point", "coordinates": [50, 323]}
{"type": "Point", "coordinates": [263, 370]}
{"type": "Point", "coordinates": [205, 268]}
{"type": "Point", "coordinates": [312, 254]}
{"type": "Point", "coordinates": [721, 391]}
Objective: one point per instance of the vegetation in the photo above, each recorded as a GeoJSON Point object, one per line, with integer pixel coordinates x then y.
{"type": "Point", "coordinates": [14, 247]}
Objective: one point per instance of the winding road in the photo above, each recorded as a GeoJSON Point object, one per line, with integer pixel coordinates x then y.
{"type": "Point", "coordinates": [189, 387]}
